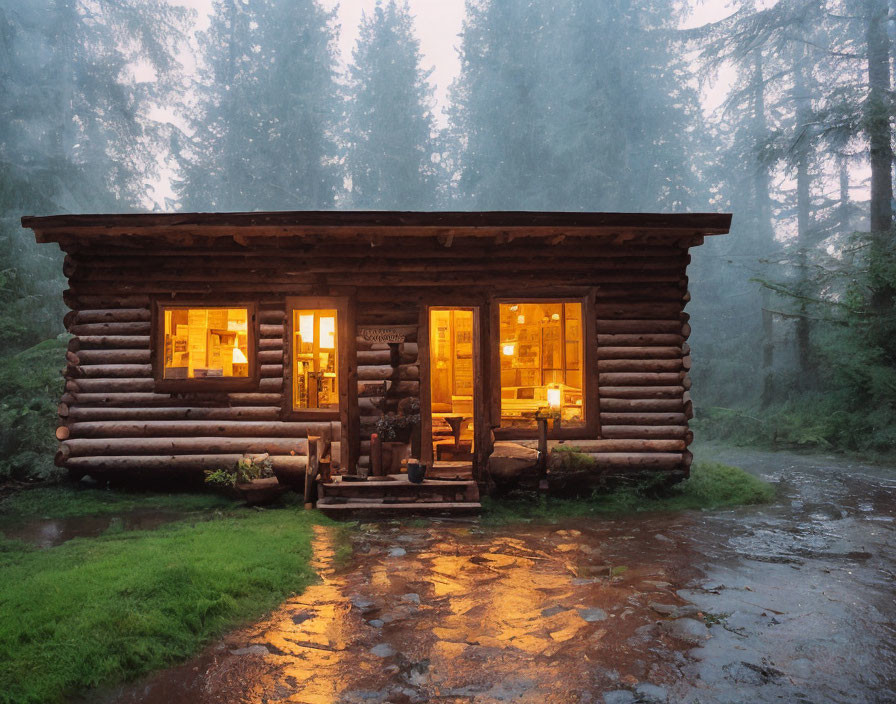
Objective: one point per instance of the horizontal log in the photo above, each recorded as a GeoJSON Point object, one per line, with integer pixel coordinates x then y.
{"type": "Point", "coordinates": [671, 352]}
{"type": "Point", "coordinates": [84, 413]}
{"type": "Point", "coordinates": [101, 301]}
{"type": "Point", "coordinates": [639, 365]}
{"type": "Point", "coordinates": [273, 385]}
{"type": "Point", "coordinates": [686, 362]}
{"type": "Point", "coordinates": [268, 371]}
{"type": "Point", "coordinates": [164, 464]}
{"type": "Point", "coordinates": [113, 315]}
{"type": "Point", "coordinates": [633, 311]}
{"type": "Point", "coordinates": [110, 371]}
{"type": "Point", "coordinates": [139, 399]}
{"type": "Point", "coordinates": [110, 385]}
{"type": "Point", "coordinates": [269, 316]}
{"type": "Point", "coordinates": [271, 343]}
{"type": "Point", "coordinates": [644, 432]}
{"type": "Point", "coordinates": [91, 342]}
{"type": "Point", "coordinates": [61, 456]}
{"type": "Point", "coordinates": [635, 460]}
{"type": "Point", "coordinates": [380, 372]}
{"type": "Point", "coordinates": [640, 340]}
{"type": "Point", "coordinates": [275, 331]}
{"type": "Point", "coordinates": [607, 419]}
{"type": "Point", "coordinates": [186, 446]}
{"type": "Point", "coordinates": [139, 328]}
{"type": "Point", "coordinates": [373, 388]}
{"type": "Point", "coordinates": [644, 392]}
{"type": "Point", "coordinates": [688, 405]}
{"type": "Point", "coordinates": [270, 356]}
{"type": "Point", "coordinates": [381, 357]}
{"type": "Point", "coordinates": [187, 428]}
{"type": "Point", "coordinates": [652, 326]}
{"type": "Point", "coordinates": [63, 432]}
{"type": "Point", "coordinates": [370, 405]}
{"type": "Point", "coordinates": [626, 445]}
{"type": "Point", "coordinates": [639, 405]}
{"type": "Point", "coordinates": [111, 356]}
{"type": "Point", "coordinates": [640, 379]}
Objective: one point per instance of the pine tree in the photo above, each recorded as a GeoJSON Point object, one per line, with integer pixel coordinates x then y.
{"type": "Point", "coordinates": [391, 153]}
{"type": "Point", "coordinates": [263, 131]}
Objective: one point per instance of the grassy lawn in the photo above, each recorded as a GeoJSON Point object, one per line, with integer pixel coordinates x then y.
{"type": "Point", "coordinates": [711, 485]}
{"type": "Point", "coordinates": [100, 610]}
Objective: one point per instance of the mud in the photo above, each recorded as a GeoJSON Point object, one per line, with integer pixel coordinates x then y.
{"type": "Point", "coordinates": [785, 603]}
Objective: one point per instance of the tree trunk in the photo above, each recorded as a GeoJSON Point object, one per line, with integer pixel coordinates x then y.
{"type": "Point", "coordinates": [802, 145]}
{"type": "Point", "coordinates": [877, 127]}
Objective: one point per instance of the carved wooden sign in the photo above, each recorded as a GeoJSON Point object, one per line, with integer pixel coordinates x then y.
{"type": "Point", "coordinates": [392, 333]}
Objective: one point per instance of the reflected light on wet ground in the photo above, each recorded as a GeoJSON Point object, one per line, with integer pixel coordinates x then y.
{"type": "Point", "coordinates": [791, 602]}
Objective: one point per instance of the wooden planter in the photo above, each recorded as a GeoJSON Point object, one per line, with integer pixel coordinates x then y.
{"type": "Point", "coordinates": [259, 492]}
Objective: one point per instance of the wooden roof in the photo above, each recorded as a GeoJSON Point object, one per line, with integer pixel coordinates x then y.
{"type": "Point", "coordinates": [512, 224]}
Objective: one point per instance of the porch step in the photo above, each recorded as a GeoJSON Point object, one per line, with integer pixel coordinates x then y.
{"type": "Point", "coordinates": [397, 494]}
{"type": "Point", "coordinates": [445, 469]}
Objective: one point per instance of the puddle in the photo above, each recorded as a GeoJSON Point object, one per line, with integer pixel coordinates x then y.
{"type": "Point", "coordinates": [790, 602]}
{"type": "Point", "coordinates": [49, 532]}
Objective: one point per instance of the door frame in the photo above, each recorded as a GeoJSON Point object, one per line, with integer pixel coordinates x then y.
{"type": "Point", "coordinates": [480, 406]}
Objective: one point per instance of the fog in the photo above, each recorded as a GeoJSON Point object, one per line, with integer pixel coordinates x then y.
{"type": "Point", "coordinates": [780, 113]}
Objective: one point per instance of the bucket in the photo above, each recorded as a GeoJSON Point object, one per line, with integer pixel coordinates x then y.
{"type": "Point", "coordinates": [416, 472]}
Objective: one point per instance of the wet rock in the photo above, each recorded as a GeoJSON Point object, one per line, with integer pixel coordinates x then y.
{"type": "Point", "coordinates": [383, 650]}
{"type": "Point", "coordinates": [363, 604]}
{"type": "Point", "coordinates": [301, 617]}
{"type": "Point", "coordinates": [619, 696]}
{"type": "Point", "coordinates": [251, 650]}
{"type": "Point", "coordinates": [397, 552]}
{"type": "Point", "coordinates": [664, 609]}
{"type": "Point", "coordinates": [376, 623]}
{"type": "Point", "coordinates": [651, 693]}
{"type": "Point", "coordinates": [687, 629]}
{"type": "Point", "coordinates": [663, 538]}
{"type": "Point", "coordinates": [593, 615]}
{"type": "Point", "coordinates": [410, 598]}
{"type": "Point", "coordinates": [553, 611]}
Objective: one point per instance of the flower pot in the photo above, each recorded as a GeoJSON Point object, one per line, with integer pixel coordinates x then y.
{"type": "Point", "coordinates": [416, 472]}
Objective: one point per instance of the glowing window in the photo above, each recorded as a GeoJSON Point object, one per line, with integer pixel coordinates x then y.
{"type": "Point", "coordinates": [315, 374]}
{"type": "Point", "coordinates": [541, 354]}
{"type": "Point", "coordinates": [206, 343]}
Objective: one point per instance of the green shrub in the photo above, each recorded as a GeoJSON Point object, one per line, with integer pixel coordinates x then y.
{"type": "Point", "coordinates": [30, 388]}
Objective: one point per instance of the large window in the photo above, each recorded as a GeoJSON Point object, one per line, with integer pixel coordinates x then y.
{"type": "Point", "coordinates": [315, 374]}
{"type": "Point", "coordinates": [206, 343]}
{"type": "Point", "coordinates": [541, 353]}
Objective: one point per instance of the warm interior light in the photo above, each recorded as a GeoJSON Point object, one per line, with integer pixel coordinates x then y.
{"type": "Point", "coordinates": [555, 316]}
{"type": "Point", "coordinates": [508, 350]}
{"type": "Point", "coordinates": [239, 357]}
{"type": "Point", "coordinates": [554, 397]}
{"type": "Point", "coordinates": [306, 328]}
{"type": "Point", "coordinates": [328, 333]}
{"type": "Point", "coordinates": [521, 319]}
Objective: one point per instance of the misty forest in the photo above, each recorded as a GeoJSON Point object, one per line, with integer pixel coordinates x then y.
{"type": "Point", "coordinates": [569, 105]}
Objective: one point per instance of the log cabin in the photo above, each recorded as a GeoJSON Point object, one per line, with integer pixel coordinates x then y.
{"type": "Point", "coordinates": [200, 338]}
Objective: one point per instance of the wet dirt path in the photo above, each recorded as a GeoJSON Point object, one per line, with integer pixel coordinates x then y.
{"type": "Point", "coordinates": [792, 602]}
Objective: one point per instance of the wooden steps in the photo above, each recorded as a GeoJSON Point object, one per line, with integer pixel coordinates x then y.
{"type": "Point", "coordinates": [395, 494]}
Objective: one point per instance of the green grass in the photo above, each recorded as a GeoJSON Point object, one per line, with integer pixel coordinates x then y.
{"type": "Point", "coordinates": [711, 485]}
{"type": "Point", "coordinates": [67, 502]}
{"type": "Point", "coordinates": [101, 610]}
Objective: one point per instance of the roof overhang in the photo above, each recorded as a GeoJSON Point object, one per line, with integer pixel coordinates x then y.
{"type": "Point", "coordinates": [377, 224]}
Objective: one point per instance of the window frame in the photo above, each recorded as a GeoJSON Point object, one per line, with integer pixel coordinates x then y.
{"type": "Point", "coordinates": [208, 384]}
{"type": "Point", "coordinates": [590, 406]}
{"type": "Point", "coordinates": [345, 346]}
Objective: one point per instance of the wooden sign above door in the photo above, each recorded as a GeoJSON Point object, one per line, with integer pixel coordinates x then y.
{"type": "Point", "coordinates": [391, 333]}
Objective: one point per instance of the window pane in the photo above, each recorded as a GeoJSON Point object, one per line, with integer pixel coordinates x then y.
{"type": "Point", "coordinates": [541, 362]}
{"type": "Point", "coordinates": [315, 382]}
{"type": "Point", "coordinates": [206, 343]}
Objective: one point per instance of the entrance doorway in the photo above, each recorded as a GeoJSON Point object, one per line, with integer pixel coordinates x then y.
{"type": "Point", "coordinates": [453, 385]}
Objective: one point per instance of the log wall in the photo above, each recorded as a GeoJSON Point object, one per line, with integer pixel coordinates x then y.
{"type": "Point", "coordinates": [114, 419]}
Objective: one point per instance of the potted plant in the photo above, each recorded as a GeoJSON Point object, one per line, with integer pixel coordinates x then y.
{"type": "Point", "coordinates": [397, 430]}
{"type": "Point", "coordinates": [251, 478]}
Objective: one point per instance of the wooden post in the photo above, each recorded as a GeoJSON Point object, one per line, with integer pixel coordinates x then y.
{"type": "Point", "coordinates": [376, 455]}
{"type": "Point", "coordinates": [542, 452]}
{"type": "Point", "coordinates": [311, 471]}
